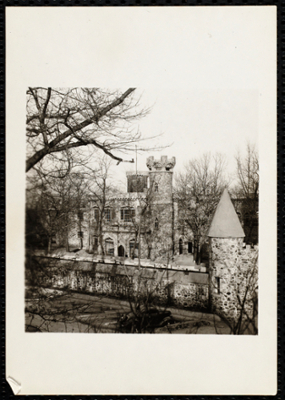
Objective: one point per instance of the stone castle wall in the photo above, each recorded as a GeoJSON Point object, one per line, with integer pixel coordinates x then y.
{"type": "Point", "coordinates": [180, 288]}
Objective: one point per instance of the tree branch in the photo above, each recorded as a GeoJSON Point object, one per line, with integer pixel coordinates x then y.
{"type": "Point", "coordinates": [51, 146]}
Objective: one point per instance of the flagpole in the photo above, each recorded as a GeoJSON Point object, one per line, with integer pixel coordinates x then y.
{"type": "Point", "coordinates": [136, 163]}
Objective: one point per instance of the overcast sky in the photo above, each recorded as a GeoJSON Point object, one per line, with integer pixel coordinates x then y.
{"type": "Point", "coordinates": [193, 122]}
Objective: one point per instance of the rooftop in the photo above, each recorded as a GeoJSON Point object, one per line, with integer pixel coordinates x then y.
{"type": "Point", "coordinates": [225, 222]}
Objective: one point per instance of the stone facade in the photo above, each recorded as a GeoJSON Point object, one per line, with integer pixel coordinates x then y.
{"type": "Point", "coordinates": [224, 255]}
{"type": "Point", "coordinates": [233, 271]}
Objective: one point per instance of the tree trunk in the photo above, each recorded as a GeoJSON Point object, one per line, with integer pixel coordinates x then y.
{"type": "Point", "coordinates": [67, 243]}
{"type": "Point", "coordinates": [198, 261]}
{"type": "Point", "coordinates": [101, 250]}
{"type": "Point", "coordinates": [49, 245]}
{"type": "Point", "coordinates": [139, 249]}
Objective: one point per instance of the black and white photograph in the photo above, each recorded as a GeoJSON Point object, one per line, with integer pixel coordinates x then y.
{"type": "Point", "coordinates": [141, 200]}
{"type": "Point", "coordinates": [172, 246]}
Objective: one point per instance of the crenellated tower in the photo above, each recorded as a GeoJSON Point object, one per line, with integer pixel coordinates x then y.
{"type": "Point", "coordinates": [161, 175]}
{"type": "Point", "coordinates": [160, 187]}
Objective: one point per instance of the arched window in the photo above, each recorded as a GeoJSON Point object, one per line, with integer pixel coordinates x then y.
{"type": "Point", "coordinates": [121, 251]}
{"type": "Point", "coordinates": [156, 223]}
{"type": "Point", "coordinates": [156, 187]}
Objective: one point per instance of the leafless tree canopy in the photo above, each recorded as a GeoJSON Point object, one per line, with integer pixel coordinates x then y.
{"type": "Point", "coordinates": [247, 190]}
{"type": "Point", "coordinates": [248, 173]}
{"type": "Point", "coordinates": [61, 120]}
{"type": "Point", "coordinates": [198, 190]}
{"type": "Point", "coordinates": [100, 189]}
{"type": "Point", "coordinates": [53, 206]}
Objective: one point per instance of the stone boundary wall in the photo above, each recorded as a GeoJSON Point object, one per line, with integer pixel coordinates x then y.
{"type": "Point", "coordinates": [168, 286]}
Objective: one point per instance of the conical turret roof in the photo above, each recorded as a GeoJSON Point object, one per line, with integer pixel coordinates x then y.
{"type": "Point", "coordinates": [225, 222]}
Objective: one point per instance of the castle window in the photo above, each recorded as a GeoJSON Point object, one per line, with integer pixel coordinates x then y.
{"type": "Point", "coordinates": [127, 214]}
{"type": "Point", "coordinates": [199, 292]}
{"type": "Point", "coordinates": [133, 249]}
{"type": "Point", "coordinates": [96, 243]}
{"type": "Point", "coordinates": [96, 214]}
{"type": "Point", "coordinates": [156, 223]}
{"type": "Point", "coordinates": [108, 214]}
{"type": "Point", "coordinates": [218, 284]}
{"type": "Point", "coordinates": [156, 187]}
{"type": "Point", "coordinates": [109, 246]}
{"type": "Point", "coordinates": [180, 246]}
{"type": "Point", "coordinates": [190, 247]}
{"type": "Point", "coordinates": [80, 215]}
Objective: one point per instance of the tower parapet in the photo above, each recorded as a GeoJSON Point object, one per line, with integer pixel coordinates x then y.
{"type": "Point", "coordinates": [160, 175]}
{"type": "Point", "coordinates": [164, 164]}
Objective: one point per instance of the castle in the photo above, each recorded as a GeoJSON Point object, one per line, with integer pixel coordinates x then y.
{"type": "Point", "coordinates": [228, 286]}
{"type": "Point", "coordinates": [145, 222]}
{"type": "Point", "coordinates": [141, 223]}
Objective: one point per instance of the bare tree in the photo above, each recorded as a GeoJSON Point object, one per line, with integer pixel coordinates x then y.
{"type": "Point", "coordinates": [56, 205]}
{"type": "Point", "coordinates": [144, 215]}
{"type": "Point", "coordinates": [61, 120]}
{"type": "Point", "coordinates": [246, 192]}
{"type": "Point", "coordinates": [145, 315]}
{"type": "Point", "coordinates": [198, 191]}
{"type": "Point", "coordinates": [101, 190]}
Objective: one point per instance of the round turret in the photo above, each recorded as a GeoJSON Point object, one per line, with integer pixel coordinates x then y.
{"type": "Point", "coordinates": [225, 242]}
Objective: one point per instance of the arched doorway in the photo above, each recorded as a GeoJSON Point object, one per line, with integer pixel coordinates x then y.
{"type": "Point", "coordinates": [121, 251]}
{"type": "Point", "coordinates": [180, 246]}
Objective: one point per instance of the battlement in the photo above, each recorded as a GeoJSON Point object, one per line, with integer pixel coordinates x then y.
{"type": "Point", "coordinates": [164, 164]}
{"type": "Point", "coordinates": [249, 249]}
{"type": "Point", "coordinates": [138, 173]}
{"type": "Point", "coordinates": [248, 254]}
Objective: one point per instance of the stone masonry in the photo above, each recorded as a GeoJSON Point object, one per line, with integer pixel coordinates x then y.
{"type": "Point", "coordinates": [167, 286]}
{"type": "Point", "coordinates": [232, 269]}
